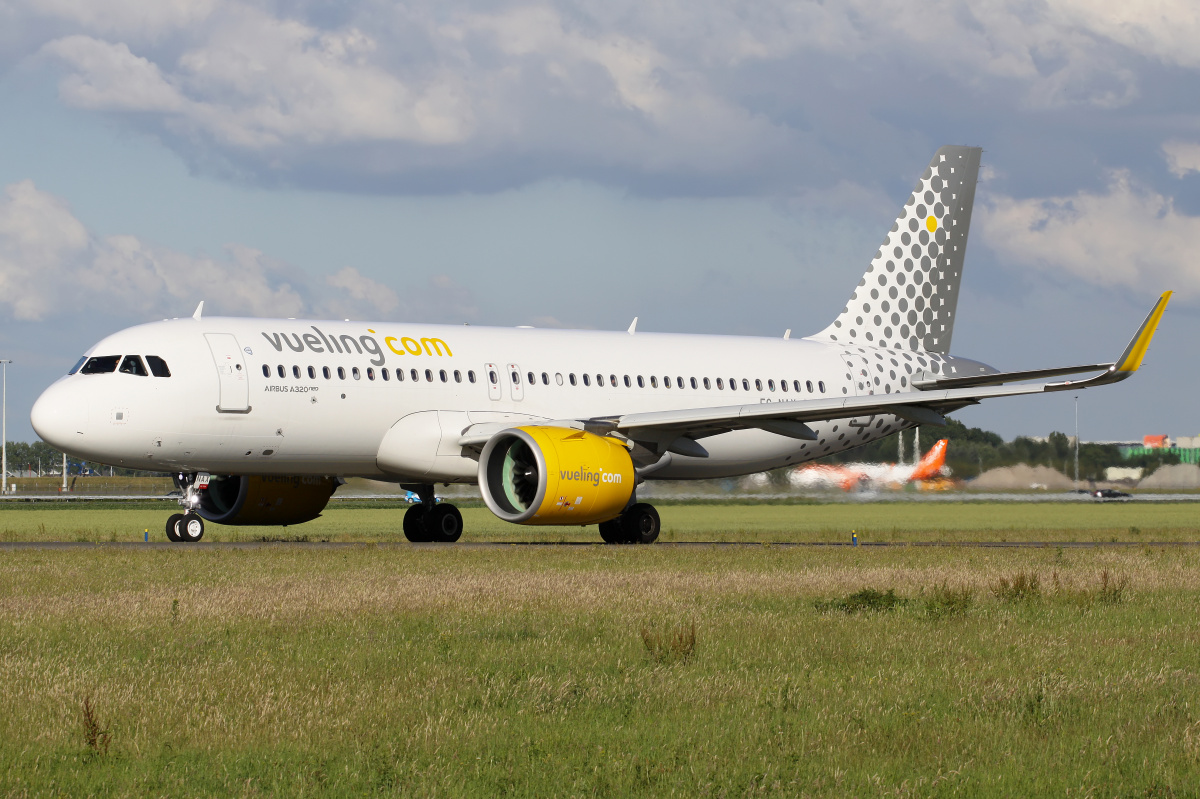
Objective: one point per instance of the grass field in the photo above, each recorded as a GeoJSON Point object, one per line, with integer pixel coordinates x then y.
{"type": "Point", "coordinates": [922, 521]}
{"type": "Point", "coordinates": [580, 671]}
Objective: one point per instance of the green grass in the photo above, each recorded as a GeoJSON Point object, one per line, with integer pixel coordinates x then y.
{"type": "Point", "coordinates": [578, 671]}
{"type": "Point", "coordinates": [407, 671]}
{"type": "Point", "coordinates": [932, 521]}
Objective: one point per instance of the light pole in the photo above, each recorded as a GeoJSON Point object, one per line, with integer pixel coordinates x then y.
{"type": "Point", "coordinates": [4, 424]}
{"type": "Point", "coordinates": [1077, 441]}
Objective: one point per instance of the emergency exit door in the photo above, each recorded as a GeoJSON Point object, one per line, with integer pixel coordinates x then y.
{"type": "Point", "coordinates": [231, 371]}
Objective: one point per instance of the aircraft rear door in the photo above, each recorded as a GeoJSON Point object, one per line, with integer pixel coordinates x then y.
{"type": "Point", "coordinates": [231, 370]}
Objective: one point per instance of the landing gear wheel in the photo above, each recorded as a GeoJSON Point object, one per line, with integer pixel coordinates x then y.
{"type": "Point", "coordinates": [414, 524]}
{"type": "Point", "coordinates": [444, 524]}
{"type": "Point", "coordinates": [640, 524]}
{"type": "Point", "coordinates": [172, 529]}
{"type": "Point", "coordinates": [190, 528]}
{"type": "Point", "coordinates": [610, 531]}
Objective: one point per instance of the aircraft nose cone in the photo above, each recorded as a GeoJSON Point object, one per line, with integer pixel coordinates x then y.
{"type": "Point", "coordinates": [59, 417]}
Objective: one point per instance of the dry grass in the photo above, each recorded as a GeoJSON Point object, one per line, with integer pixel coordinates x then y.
{"type": "Point", "coordinates": [597, 670]}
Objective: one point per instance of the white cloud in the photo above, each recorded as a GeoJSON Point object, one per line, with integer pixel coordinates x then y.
{"type": "Point", "coordinates": [364, 290]}
{"type": "Point", "coordinates": [1127, 237]}
{"type": "Point", "coordinates": [519, 89]}
{"type": "Point", "coordinates": [51, 265]}
{"type": "Point", "coordinates": [1182, 157]}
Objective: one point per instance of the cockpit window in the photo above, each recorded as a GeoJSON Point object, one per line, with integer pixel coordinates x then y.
{"type": "Point", "coordinates": [132, 365]}
{"type": "Point", "coordinates": [158, 367]}
{"type": "Point", "coordinates": [100, 364]}
{"type": "Point", "coordinates": [78, 364]}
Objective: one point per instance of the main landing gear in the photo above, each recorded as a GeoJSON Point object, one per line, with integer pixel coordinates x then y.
{"type": "Point", "coordinates": [429, 521]}
{"type": "Point", "coordinates": [639, 524]}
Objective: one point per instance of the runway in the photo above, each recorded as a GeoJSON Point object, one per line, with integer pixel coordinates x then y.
{"type": "Point", "coordinates": [202, 546]}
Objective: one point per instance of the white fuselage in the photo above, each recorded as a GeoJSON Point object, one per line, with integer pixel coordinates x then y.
{"type": "Point", "coordinates": [218, 412]}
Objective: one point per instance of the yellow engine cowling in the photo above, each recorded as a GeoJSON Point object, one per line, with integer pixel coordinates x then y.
{"type": "Point", "coordinates": [555, 475]}
{"type": "Point", "coordinates": [263, 500]}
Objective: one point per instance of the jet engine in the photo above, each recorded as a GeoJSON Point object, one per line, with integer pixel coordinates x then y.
{"type": "Point", "coordinates": [261, 500]}
{"type": "Point", "coordinates": [555, 475]}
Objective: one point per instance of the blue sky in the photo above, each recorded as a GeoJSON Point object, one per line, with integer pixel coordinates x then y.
{"type": "Point", "coordinates": [708, 167]}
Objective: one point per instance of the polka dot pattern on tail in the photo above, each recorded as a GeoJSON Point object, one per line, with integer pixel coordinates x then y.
{"type": "Point", "coordinates": [919, 265]}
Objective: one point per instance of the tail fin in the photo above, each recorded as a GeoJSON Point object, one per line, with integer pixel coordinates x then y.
{"type": "Point", "coordinates": [908, 296]}
{"type": "Point", "coordinates": [932, 463]}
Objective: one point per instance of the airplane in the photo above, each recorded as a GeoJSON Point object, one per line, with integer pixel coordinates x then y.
{"type": "Point", "coordinates": [260, 420]}
{"type": "Point", "coordinates": [856, 476]}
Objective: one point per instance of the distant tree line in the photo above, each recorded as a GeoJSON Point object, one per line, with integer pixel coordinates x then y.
{"type": "Point", "coordinates": [24, 457]}
{"type": "Point", "coordinates": [972, 451]}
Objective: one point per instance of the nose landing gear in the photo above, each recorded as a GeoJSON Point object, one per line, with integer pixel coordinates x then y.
{"type": "Point", "coordinates": [185, 527]}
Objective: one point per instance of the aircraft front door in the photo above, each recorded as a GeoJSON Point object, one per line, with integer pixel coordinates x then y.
{"type": "Point", "coordinates": [231, 371]}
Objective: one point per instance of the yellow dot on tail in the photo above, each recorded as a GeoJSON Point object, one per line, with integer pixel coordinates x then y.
{"type": "Point", "coordinates": [931, 223]}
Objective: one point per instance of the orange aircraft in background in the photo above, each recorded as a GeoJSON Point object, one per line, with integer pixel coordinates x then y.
{"type": "Point", "coordinates": [870, 476]}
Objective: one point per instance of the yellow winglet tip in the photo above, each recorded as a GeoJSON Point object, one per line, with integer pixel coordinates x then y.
{"type": "Point", "coordinates": [1136, 351]}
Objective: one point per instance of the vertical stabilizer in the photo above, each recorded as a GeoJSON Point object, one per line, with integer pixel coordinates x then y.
{"type": "Point", "coordinates": [908, 297]}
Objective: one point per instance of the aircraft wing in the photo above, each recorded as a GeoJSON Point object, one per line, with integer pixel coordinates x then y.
{"type": "Point", "coordinates": [677, 430]}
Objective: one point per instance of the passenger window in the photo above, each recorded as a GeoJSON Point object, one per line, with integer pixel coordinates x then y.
{"type": "Point", "coordinates": [516, 377]}
{"type": "Point", "coordinates": [821, 385]}
{"type": "Point", "coordinates": [545, 379]}
{"type": "Point", "coordinates": [587, 380]}
{"type": "Point", "coordinates": [771, 385]}
{"type": "Point", "coordinates": [132, 365]}
{"type": "Point", "coordinates": [296, 372]}
{"type": "Point", "coordinates": [471, 375]}
{"type": "Point", "coordinates": [571, 377]}
{"type": "Point", "coordinates": [443, 376]}
{"type": "Point", "coordinates": [600, 380]}
{"type": "Point", "coordinates": [341, 373]}
{"type": "Point", "coordinates": [808, 385]}
{"type": "Point", "coordinates": [745, 384]}
{"type": "Point", "coordinates": [493, 377]}
{"type": "Point", "coordinates": [158, 367]}
{"type": "Point", "coordinates": [758, 385]}
{"type": "Point", "coordinates": [530, 379]}
{"type": "Point", "coordinates": [312, 373]}
{"type": "Point", "coordinates": [370, 373]}
{"type": "Point", "coordinates": [653, 381]}
{"type": "Point", "coordinates": [399, 375]}
{"type": "Point", "coordinates": [357, 374]}
{"type": "Point", "coordinates": [428, 375]}
{"type": "Point", "coordinates": [279, 370]}
{"type": "Point", "coordinates": [641, 382]}
{"type": "Point", "coordinates": [694, 383]}
{"type": "Point", "coordinates": [796, 385]}
{"type": "Point", "coordinates": [78, 364]}
{"type": "Point", "coordinates": [457, 376]}
{"type": "Point", "coordinates": [416, 378]}
{"type": "Point", "coordinates": [720, 384]}
{"type": "Point", "coordinates": [101, 364]}
{"type": "Point", "coordinates": [679, 382]}
{"type": "Point", "coordinates": [783, 385]}
{"type": "Point", "coordinates": [558, 378]}
{"type": "Point", "coordinates": [733, 384]}
{"type": "Point", "coordinates": [266, 370]}
{"type": "Point", "coordinates": [325, 372]}
{"type": "Point", "coordinates": [666, 382]}
{"type": "Point", "coordinates": [384, 374]}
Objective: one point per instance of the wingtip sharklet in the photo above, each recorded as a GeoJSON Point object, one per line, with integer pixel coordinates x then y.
{"type": "Point", "coordinates": [1131, 360]}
